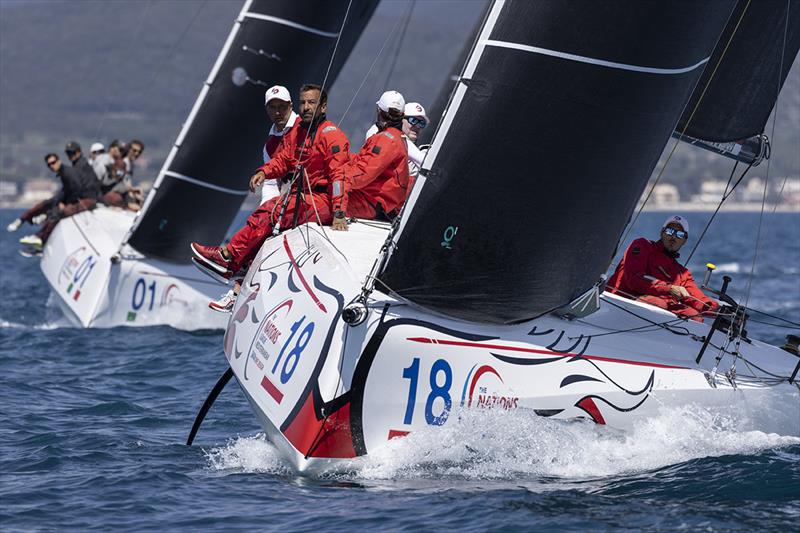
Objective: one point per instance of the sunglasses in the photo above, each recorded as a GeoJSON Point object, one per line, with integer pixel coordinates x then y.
{"type": "Point", "coordinates": [135, 151]}
{"type": "Point", "coordinates": [679, 233]}
{"type": "Point", "coordinates": [51, 163]}
{"type": "Point", "coordinates": [417, 121]}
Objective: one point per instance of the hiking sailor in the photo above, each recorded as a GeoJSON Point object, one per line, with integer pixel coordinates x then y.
{"type": "Point", "coordinates": [278, 104]}
{"type": "Point", "coordinates": [78, 193]}
{"type": "Point", "coordinates": [375, 182]}
{"type": "Point", "coordinates": [414, 122]}
{"type": "Point", "coordinates": [649, 272]}
{"type": "Point", "coordinates": [316, 148]}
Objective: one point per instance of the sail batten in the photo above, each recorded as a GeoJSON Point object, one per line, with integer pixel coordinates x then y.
{"type": "Point", "coordinates": [594, 60]}
{"type": "Point", "coordinates": [542, 156]}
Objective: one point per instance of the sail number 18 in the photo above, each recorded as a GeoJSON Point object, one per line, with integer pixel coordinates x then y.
{"type": "Point", "coordinates": [440, 372]}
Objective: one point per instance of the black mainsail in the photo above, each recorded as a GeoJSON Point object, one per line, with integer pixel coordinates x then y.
{"type": "Point", "coordinates": [559, 119]}
{"type": "Point", "coordinates": [204, 180]}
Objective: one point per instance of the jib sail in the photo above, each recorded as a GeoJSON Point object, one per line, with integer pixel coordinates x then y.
{"type": "Point", "coordinates": [551, 136]}
{"type": "Point", "coordinates": [205, 178]}
{"type": "Point", "coordinates": [749, 66]}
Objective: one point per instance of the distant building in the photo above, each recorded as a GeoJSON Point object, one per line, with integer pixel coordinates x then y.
{"type": "Point", "coordinates": [36, 190]}
{"type": "Point", "coordinates": [665, 194]}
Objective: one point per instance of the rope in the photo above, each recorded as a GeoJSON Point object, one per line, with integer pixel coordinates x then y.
{"type": "Point", "coordinates": [725, 196]}
{"type": "Point", "coordinates": [686, 126]}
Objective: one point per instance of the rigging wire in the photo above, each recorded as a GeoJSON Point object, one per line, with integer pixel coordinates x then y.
{"type": "Point", "coordinates": [685, 127]}
{"type": "Point", "coordinates": [371, 67]}
{"type": "Point", "coordinates": [135, 39]}
{"type": "Point", "coordinates": [766, 177]}
{"type": "Point", "coordinates": [724, 197]}
{"type": "Point", "coordinates": [400, 42]}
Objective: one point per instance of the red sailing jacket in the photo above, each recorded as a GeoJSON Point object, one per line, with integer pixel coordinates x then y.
{"type": "Point", "coordinates": [379, 173]}
{"type": "Point", "coordinates": [321, 155]}
{"type": "Point", "coordinates": [274, 140]}
{"type": "Point", "coordinates": [649, 258]}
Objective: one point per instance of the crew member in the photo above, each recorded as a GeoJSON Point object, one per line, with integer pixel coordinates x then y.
{"type": "Point", "coordinates": [76, 195]}
{"type": "Point", "coordinates": [312, 151]}
{"type": "Point", "coordinates": [414, 122]}
{"type": "Point", "coordinates": [278, 104]}
{"type": "Point", "coordinates": [649, 272]}
{"type": "Point", "coordinates": [375, 182]}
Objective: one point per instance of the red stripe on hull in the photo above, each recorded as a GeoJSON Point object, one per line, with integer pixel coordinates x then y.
{"type": "Point", "coordinates": [537, 351]}
{"type": "Point", "coordinates": [395, 433]}
{"type": "Point", "coordinates": [300, 275]}
{"type": "Point", "coordinates": [271, 389]}
{"type": "Point", "coordinates": [328, 437]}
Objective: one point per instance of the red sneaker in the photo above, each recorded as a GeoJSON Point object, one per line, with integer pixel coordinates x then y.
{"type": "Point", "coordinates": [212, 257]}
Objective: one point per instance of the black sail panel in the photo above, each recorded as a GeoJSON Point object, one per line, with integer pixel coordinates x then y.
{"type": "Point", "coordinates": [548, 143]}
{"type": "Point", "coordinates": [752, 59]}
{"type": "Point", "coordinates": [204, 181]}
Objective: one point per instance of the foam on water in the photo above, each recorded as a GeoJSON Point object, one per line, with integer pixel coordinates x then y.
{"type": "Point", "coordinates": [248, 454]}
{"type": "Point", "coordinates": [518, 445]}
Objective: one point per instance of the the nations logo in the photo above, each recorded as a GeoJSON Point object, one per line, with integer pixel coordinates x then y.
{"type": "Point", "coordinates": [484, 387]}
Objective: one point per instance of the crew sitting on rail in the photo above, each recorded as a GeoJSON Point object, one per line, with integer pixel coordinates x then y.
{"type": "Point", "coordinates": [375, 182]}
{"type": "Point", "coordinates": [312, 151]}
{"type": "Point", "coordinates": [79, 191]}
{"type": "Point", "coordinates": [649, 272]}
{"type": "Point", "coordinates": [278, 104]}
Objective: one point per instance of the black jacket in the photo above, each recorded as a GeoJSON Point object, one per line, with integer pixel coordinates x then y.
{"type": "Point", "coordinates": [78, 181]}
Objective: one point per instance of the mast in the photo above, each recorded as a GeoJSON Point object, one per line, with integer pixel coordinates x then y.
{"type": "Point", "coordinates": [204, 179]}
{"type": "Point", "coordinates": [557, 123]}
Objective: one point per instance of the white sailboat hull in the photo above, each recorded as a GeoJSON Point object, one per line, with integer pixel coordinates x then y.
{"type": "Point", "coordinates": [326, 392]}
{"type": "Point", "coordinates": [96, 286]}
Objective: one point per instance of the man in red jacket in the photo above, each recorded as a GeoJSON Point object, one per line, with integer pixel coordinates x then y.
{"type": "Point", "coordinates": [375, 182]}
{"type": "Point", "coordinates": [649, 272]}
{"type": "Point", "coordinates": [312, 151]}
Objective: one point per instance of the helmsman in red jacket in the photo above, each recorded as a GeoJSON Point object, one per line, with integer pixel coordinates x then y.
{"type": "Point", "coordinates": [320, 148]}
{"type": "Point", "coordinates": [649, 272]}
{"type": "Point", "coordinates": [375, 182]}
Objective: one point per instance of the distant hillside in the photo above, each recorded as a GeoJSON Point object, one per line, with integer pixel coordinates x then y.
{"type": "Point", "coordinates": [96, 70]}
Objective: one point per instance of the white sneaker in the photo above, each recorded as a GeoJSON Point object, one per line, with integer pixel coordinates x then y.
{"type": "Point", "coordinates": [225, 303]}
{"type": "Point", "coordinates": [14, 226]}
{"type": "Point", "coordinates": [31, 240]}
{"type": "Point", "coordinates": [38, 219]}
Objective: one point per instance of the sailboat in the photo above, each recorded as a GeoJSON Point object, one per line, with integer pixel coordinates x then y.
{"type": "Point", "coordinates": [488, 290]}
{"type": "Point", "coordinates": [110, 267]}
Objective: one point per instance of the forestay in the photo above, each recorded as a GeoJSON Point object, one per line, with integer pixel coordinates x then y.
{"type": "Point", "coordinates": [552, 134]}
{"type": "Point", "coordinates": [204, 180]}
{"type": "Point", "coordinates": [752, 60]}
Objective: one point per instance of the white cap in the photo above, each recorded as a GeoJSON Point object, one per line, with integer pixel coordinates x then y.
{"type": "Point", "coordinates": [391, 100]}
{"type": "Point", "coordinates": [415, 109]}
{"type": "Point", "coordinates": [677, 219]}
{"type": "Point", "coordinates": [97, 147]}
{"type": "Point", "coordinates": [277, 91]}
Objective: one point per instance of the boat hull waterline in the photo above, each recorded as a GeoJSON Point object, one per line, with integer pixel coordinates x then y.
{"type": "Point", "coordinates": [96, 286]}
{"type": "Point", "coordinates": [325, 391]}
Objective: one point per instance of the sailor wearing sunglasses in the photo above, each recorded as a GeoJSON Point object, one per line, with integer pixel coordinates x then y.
{"type": "Point", "coordinates": [414, 121]}
{"type": "Point", "coordinates": [650, 272]}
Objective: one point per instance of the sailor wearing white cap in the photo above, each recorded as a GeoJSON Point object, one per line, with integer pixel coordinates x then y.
{"type": "Point", "coordinates": [278, 103]}
{"type": "Point", "coordinates": [388, 102]}
{"type": "Point", "coordinates": [97, 148]}
{"type": "Point", "coordinates": [414, 121]}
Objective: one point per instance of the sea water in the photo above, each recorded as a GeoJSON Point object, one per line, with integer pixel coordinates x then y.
{"type": "Point", "coordinates": [92, 426]}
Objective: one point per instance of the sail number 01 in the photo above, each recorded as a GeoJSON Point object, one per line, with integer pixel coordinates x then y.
{"type": "Point", "coordinates": [411, 373]}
